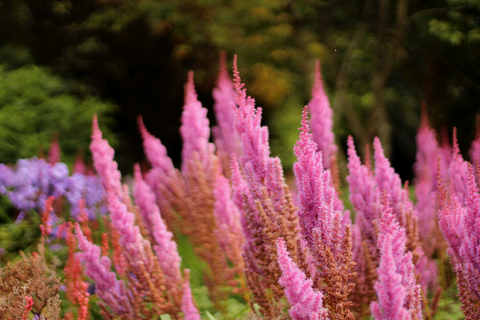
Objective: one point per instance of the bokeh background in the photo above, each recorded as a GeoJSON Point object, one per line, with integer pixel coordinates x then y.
{"type": "Point", "coordinates": [62, 61]}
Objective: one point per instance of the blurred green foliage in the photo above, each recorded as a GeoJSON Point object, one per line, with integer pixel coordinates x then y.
{"type": "Point", "coordinates": [34, 105]}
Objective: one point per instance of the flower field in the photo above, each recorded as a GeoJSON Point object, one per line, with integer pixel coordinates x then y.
{"type": "Point", "coordinates": [224, 237]}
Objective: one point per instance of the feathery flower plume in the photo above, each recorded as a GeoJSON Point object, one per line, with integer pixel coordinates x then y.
{"type": "Point", "coordinates": [195, 130]}
{"type": "Point", "coordinates": [321, 225]}
{"type": "Point", "coordinates": [46, 226]}
{"type": "Point", "coordinates": [321, 120]}
{"type": "Point", "coordinates": [54, 153]}
{"type": "Point", "coordinates": [227, 216]}
{"type": "Point", "coordinates": [165, 247]}
{"type": "Point", "coordinates": [226, 139]}
{"type": "Point", "coordinates": [189, 309]}
{"type": "Point", "coordinates": [109, 289]}
{"type": "Point", "coordinates": [76, 286]}
{"type": "Point", "coordinates": [475, 148]}
{"type": "Point", "coordinates": [305, 301]}
{"type": "Point", "coordinates": [266, 205]}
{"type": "Point", "coordinates": [459, 223]}
{"type": "Point", "coordinates": [364, 196]}
{"type": "Point", "coordinates": [79, 165]}
{"type": "Point", "coordinates": [457, 170]}
{"type": "Point", "coordinates": [165, 181]}
{"type": "Point", "coordinates": [201, 170]}
{"type": "Point", "coordinates": [397, 291]}
{"type": "Point", "coordinates": [103, 162]}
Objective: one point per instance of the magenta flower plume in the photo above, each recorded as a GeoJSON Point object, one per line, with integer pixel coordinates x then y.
{"type": "Point", "coordinates": [457, 170]}
{"type": "Point", "coordinates": [165, 247]}
{"type": "Point", "coordinates": [227, 217]}
{"type": "Point", "coordinates": [475, 148]}
{"type": "Point", "coordinates": [226, 139]}
{"type": "Point", "coordinates": [470, 249]}
{"type": "Point", "coordinates": [364, 194]}
{"type": "Point", "coordinates": [195, 130]}
{"type": "Point", "coordinates": [397, 291]}
{"type": "Point", "coordinates": [103, 162]}
{"type": "Point", "coordinates": [315, 192]}
{"type": "Point", "coordinates": [305, 302]}
{"type": "Point", "coordinates": [321, 119]}
{"type": "Point", "coordinates": [189, 309]}
{"type": "Point", "coordinates": [264, 200]}
{"type": "Point", "coordinates": [109, 289]}
{"type": "Point", "coordinates": [156, 152]}
{"type": "Point", "coordinates": [426, 179]}
{"type": "Point", "coordinates": [390, 181]}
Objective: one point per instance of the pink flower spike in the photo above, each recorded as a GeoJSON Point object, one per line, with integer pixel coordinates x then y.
{"type": "Point", "coordinates": [189, 309]}
{"type": "Point", "coordinates": [458, 170]}
{"type": "Point", "coordinates": [165, 247]}
{"type": "Point", "coordinates": [195, 130]}
{"type": "Point", "coordinates": [112, 291]}
{"type": "Point", "coordinates": [306, 303]}
{"type": "Point", "coordinates": [315, 191]}
{"type": "Point", "coordinates": [390, 181]}
{"type": "Point", "coordinates": [321, 119]}
{"type": "Point", "coordinates": [475, 148]}
{"type": "Point", "coordinates": [226, 139]}
{"type": "Point", "coordinates": [103, 161]}
{"type": "Point", "coordinates": [364, 194]}
{"type": "Point", "coordinates": [397, 291]}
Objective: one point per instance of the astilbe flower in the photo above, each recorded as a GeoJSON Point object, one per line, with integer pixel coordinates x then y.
{"type": "Point", "coordinates": [398, 294]}
{"type": "Point", "coordinates": [164, 247]}
{"type": "Point", "coordinates": [305, 301]}
{"type": "Point", "coordinates": [200, 169]}
{"type": "Point", "coordinates": [227, 216]}
{"type": "Point", "coordinates": [102, 155]}
{"type": "Point", "coordinates": [76, 286]}
{"type": "Point", "coordinates": [265, 201]}
{"type": "Point", "coordinates": [190, 311]}
{"type": "Point", "coordinates": [475, 149]}
{"type": "Point", "coordinates": [145, 276]}
{"type": "Point", "coordinates": [226, 139]}
{"type": "Point", "coordinates": [329, 242]}
{"type": "Point", "coordinates": [321, 120]}
{"type": "Point", "coordinates": [460, 225]}
{"type": "Point", "coordinates": [112, 292]}
{"type": "Point", "coordinates": [457, 170]}
{"type": "Point", "coordinates": [426, 185]}
{"type": "Point", "coordinates": [165, 181]}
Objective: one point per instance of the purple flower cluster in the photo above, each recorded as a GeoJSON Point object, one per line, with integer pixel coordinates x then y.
{"type": "Point", "coordinates": [32, 181]}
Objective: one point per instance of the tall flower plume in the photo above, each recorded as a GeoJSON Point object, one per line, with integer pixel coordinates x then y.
{"type": "Point", "coordinates": [267, 209]}
{"type": "Point", "coordinates": [321, 120]}
{"type": "Point", "coordinates": [460, 225]}
{"type": "Point", "coordinates": [398, 294]}
{"type": "Point", "coordinates": [306, 302]}
{"type": "Point", "coordinates": [226, 139]}
{"type": "Point", "coordinates": [165, 181]}
{"type": "Point", "coordinates": [321, 225]}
